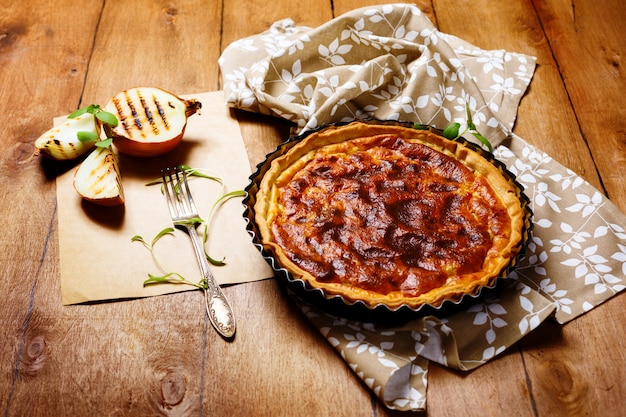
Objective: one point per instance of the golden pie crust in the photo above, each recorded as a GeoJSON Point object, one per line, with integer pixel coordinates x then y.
{"type": "Point", "coordinates": [388, 214]}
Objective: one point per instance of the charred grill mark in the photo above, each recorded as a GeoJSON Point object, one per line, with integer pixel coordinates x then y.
{"type": "Point", "coordinates": [146, 110]}
{"type": "Point", "coordinates": [133, 111]}
{"type": "Point", "coordinates": [148, 113]}
{"type": "Point", "coordinates": [162, 113]}
{"type": "Point", "coordinates": [121, 116]}
{"type": "Point", "coordinates": [58, 146]}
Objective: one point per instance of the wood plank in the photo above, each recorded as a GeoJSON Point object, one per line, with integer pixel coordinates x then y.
{"type": "Point", "coordinates": [588, 44]}
{"type": "Point", "coordinates": [282, 365]}
{"type": "Point", "coordinates": [345, 6]}
{"type": "Point", "coordinates": [111, 359]}
{"type": "Point", "coordinates": [272, 325]}
{"type": "Point", "coordinates": [159, 356]}
{"type": "Point", "coordinates": [137, 357]}
{"type": "Point", "coordinates": [173, 46]}
{"type": "Point", "coordinates": [552, 356]}
{"type": "Point", "coordinates": [574, 369]}
{"type": "Point", "coordinates": [31, 38]}
{"type": "Point", "coordinates": [580, 376]}
{"type": "Point", "coordinates": [243, 19]}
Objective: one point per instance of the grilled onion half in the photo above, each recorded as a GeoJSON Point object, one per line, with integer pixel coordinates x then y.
{"type": "Point", "coordinates": [152, 121]}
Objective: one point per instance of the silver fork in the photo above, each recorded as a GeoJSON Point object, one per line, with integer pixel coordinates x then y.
{"type": "Point", "coordinates": [184, 213]}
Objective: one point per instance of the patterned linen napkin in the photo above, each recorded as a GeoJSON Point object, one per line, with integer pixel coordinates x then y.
{"type": "Point", "coordinates": [390, 62]}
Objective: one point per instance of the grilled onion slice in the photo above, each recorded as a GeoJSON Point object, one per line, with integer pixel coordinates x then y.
{"type": "Point", "coordinates": [98, 178]}
{"type": "Point", "coordinates": [152, 121]}
{"type": "Point", "coordinates": [62, 143]}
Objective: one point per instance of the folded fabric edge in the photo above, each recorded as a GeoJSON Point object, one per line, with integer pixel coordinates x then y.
{"type": "Point", "coordinates": [255, 100]}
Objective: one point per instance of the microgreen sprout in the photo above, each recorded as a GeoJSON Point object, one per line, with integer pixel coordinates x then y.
{"type": "Point", "coordinates": [103, 117]}
{"type": "Point", "coordinates": [169, 277]}
{"type": "Point", "coordinates": [174, 278]}
{"type": "Point", "coordinates": [453, 132]}
{"type": "Point", "coordinates": [100, 114]}
{"type": "Point", "coordinates": [223, 196]}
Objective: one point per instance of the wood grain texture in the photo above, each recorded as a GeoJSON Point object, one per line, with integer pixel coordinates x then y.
{"type": "Point", "coordinates": [30, 39]}
{"type": "Point", "coordinates": [585, 47]}
{"type": "Point", "coordinates": [159, 356]}
{"type": "Point", "coordinates": [244, 18]}
{"type": "Point", "coordinates": [173, 45]}
{"type": "Point", "coordinates": [589, 49]}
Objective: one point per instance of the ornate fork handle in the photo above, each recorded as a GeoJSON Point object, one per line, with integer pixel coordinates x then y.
{"type": "Point", "coordinates": [219, 310]}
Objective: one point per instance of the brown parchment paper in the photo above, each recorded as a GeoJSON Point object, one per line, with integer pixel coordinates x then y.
{"type": "Point", "coordinates": [98, 260]}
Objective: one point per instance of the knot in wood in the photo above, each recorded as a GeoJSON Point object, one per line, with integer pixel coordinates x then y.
{"type": "Point", "coordinates": [173, 387]}
{"type": "Point", "coordinates": [170, 14]}
{"type": "Point", "coordinates": [34, 356]}
{"type": "Point", "coordinates": [9, 36]}
{"type": "Point", "coordinates": [568, 391]}
{"type": "Point", "coordinates": [23, 153]}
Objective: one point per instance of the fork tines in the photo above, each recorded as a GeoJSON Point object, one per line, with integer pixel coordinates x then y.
{"type": "Point", "coordinates": [177, 193]}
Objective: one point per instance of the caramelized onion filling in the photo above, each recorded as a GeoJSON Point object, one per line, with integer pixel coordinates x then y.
{"type": "Point", "coordinates": [387, 214]}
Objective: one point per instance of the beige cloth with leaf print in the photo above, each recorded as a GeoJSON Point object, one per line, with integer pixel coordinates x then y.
{"type": "Point", "coordinates": [390, 62]}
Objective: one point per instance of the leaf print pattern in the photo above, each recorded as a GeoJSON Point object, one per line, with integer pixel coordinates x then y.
{"type": "Point", "coordinates": [373, 64]}
{"type": "Point", "coordinates": [575, 257]}
{"type": "Point", "coordinates": [333, 53]}
{"type": "Point", "coordinates": [535, 315]}
{"type": "Point", "coordinates": [487, 314]}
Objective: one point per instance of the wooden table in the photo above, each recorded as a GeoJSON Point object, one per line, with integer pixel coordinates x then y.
{"type": "Point", "coordinates": [159, 356]}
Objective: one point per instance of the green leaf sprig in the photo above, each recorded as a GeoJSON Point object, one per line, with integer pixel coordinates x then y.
{"type": "Point", "coordinates": [169, 277]}
{"type": "Point", "coordinates": [100, 114]}
{"type": "Point", "coordinates": [103, 117]}
{"type": "Point", "coordinates": [174, 277]}
{"type": "Point", "coordinates": [452, 131]}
